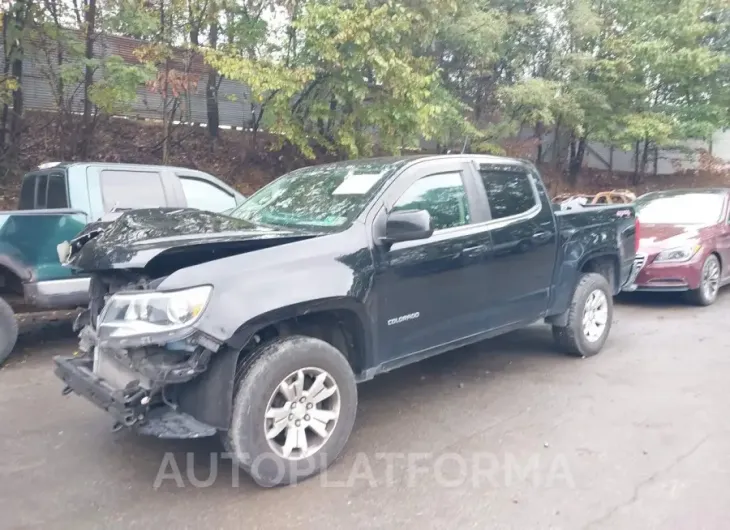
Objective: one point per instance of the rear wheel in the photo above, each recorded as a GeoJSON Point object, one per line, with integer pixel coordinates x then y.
{"type": "Point", "coordinates": [706, 294]}
{"type": "Point", "coordinates": [8, 330]}
{"type": "Point", "coordinates": [293, 412]}
{"type": "Point", "coordinates": [589, 318]}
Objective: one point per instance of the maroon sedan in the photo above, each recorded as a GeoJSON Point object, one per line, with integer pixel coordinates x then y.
{"type": "Point", "coordinates": [684, 242]}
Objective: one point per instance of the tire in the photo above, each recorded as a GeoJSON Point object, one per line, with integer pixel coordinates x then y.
{"type": "Point", "coordinates": [8, 330]}
{"type": "Point", "coordinates": [572, 338]}
{"type": "Point", "coordinates": [260, 383]}
{"type": "Point", "coordinates": [704, 296]}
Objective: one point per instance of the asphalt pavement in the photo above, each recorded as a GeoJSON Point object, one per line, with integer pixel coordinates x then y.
{"type": "Point", "coordinates": [506, 434]}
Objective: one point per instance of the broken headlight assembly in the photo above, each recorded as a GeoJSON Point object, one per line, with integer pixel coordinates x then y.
{"type": "Point", "coordinates": [144, 317]}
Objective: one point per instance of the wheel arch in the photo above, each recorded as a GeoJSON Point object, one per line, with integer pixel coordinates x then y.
{"type": "Point", "coordinates": [339, 321]}
{"type": "Point", "coordinates": [344, 313]}
{"type": "Point", "coordinates": [11, 283]}
{"type": "Point", "coordinates": [606, 264]}
{"type": "Point", "coordinates": [716, 253]}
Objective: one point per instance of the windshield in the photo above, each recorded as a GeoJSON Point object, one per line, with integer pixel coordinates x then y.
{"type": "Point", "coordinates": [685, 209]}
{"type": "Point", "coordinates": [325, 197]}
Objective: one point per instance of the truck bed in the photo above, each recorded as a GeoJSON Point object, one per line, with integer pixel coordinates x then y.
{"type": "Point", "coordinates": [598, 227]}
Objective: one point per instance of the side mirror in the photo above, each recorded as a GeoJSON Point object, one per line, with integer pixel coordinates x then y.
{"type": "Point", "coordinates": [408, 225]}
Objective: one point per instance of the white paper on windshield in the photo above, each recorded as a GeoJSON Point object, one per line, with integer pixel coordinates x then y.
{"type": "Point", "coordinates": [357, 184]}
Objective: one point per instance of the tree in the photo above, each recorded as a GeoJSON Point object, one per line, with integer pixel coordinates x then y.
{"type": "Point", "coordinates": [346, 75]}
{"type": "Point", "coordinates": [679, 66]}
{"type": "Point", "coordinates": [90, 37]}
{"type": "Point", "coordinates": [14, 24]}
{"type": "Point", "coordinates": [84, 86]}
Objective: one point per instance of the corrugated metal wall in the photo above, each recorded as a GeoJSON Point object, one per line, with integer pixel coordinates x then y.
{"type": "Point", "coordinates": [40, 66]}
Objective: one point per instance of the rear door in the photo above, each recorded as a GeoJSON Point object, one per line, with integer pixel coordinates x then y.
{"type": "Point", "coordinates": [126, 189]}
{"type": "Point", "coordinates": [129, 187]}
{"type": "Point", "coordinates": [519, 271]}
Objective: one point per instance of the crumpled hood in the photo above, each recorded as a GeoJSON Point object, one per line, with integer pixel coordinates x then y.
{"type": "Point", "coordinates": [138, 236]}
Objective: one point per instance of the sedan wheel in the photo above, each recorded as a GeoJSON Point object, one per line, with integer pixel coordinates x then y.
{"type": "Point", "coordinates": [706, 294]}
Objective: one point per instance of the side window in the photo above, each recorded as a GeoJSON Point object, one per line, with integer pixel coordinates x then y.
{"type": "Point", "coordinates": [443, 196]}
{"type": "Point", "coordinates": [509, 191]}
{"type": "Point", "coordinates": [57, 196]}
{"type": "Point", "coordinates": [206, 196]}
{"type": "Point", "coordinates": [131, 189]}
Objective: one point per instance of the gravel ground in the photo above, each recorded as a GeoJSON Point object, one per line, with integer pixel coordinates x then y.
{"type": "Point", "coordinates": [503, 434]}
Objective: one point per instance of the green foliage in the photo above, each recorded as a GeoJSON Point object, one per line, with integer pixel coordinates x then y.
{"type": "Point", "coordinates": [117, 88]}
{"type": "Point", "coordinates": [358, 76]}
{"type": "Point", "coordinates": [627, 71]}
{"type": "Point", "coordinates": [357, 71]}
{"type": "Point", "coordinates": [132, 18]}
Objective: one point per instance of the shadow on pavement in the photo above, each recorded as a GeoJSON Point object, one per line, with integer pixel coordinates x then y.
{"type": "Point", "coordinates": [41, 335]}
{"type": "Point", "coordinates": [426, 383]}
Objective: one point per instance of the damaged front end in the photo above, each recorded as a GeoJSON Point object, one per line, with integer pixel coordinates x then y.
{"type": "Point", "coordinates": [140, 355]}
{"type": "Point", "coordinates": [137, 350]}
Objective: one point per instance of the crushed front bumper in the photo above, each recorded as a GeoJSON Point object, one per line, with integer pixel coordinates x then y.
{"type": "Point", "coordinates": [126, 406]}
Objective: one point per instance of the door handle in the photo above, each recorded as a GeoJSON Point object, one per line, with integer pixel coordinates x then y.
{"type": "Point", "coordinates": [541, 236]}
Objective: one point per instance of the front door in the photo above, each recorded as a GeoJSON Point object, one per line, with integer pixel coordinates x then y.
{"type": "Point", "coordinates": [421, 287]}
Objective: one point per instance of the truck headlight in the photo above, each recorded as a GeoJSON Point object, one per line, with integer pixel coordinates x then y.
{"type": "Point", "coordinates": [152, 313]}
{"type": "Point", "coordinates": [677, 255]}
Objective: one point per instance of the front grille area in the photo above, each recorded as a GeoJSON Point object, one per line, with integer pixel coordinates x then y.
{"type": "Point", "coordinates": [639, 261]}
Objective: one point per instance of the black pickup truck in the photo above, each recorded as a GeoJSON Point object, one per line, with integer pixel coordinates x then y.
{"type": "Point", "coordinates": [256, 326]}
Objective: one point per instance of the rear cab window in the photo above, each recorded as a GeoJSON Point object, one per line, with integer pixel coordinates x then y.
{"type": "Point", "coordinates": [128, 189]}
{"type": "Point", "coordinates": [57, 191]}
{"type": "Point", "coordinates": [44, 190]}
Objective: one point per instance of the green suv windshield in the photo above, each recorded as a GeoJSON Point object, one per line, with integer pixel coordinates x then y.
{"type": "Point", "coordinates": [327, 197]}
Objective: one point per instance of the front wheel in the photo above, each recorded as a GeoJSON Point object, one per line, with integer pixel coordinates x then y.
{"type": "Point", "coordinates": [706, 294]}
{"type": "Point", "coordinates": [589, 318]}
{"type": "Point", "coordinates": [293, 411]}
{"type": "Point", "coordinates": [8, 330]}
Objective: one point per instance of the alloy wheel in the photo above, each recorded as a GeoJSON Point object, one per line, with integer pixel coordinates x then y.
{"type": "Point", "coordinates": [711, 278]}
{"type": "Point", "coordinates": [595, 315]}
{"type": "Point", "coordinates": [302, 413]}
